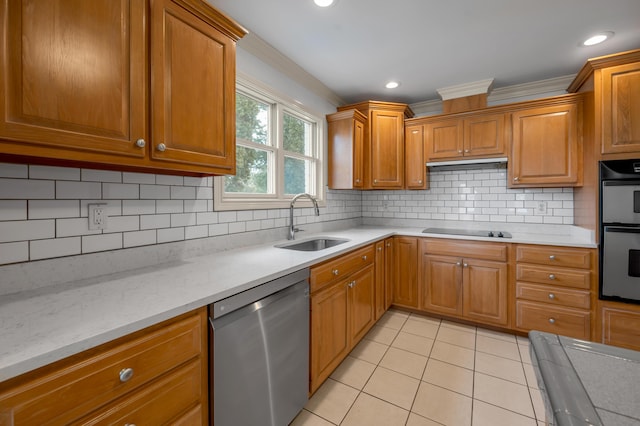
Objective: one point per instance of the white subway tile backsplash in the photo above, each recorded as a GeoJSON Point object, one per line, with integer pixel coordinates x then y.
{"type": "Point", "coordinates": [200, 231]}
{"type": "Point", "coordinates": [119, 191]}
{"type": "Point", "coordinates": [206, 218]}
{"type": "Point", "coordinates": [14, 252]}
{"type": "Point", "coordinates": [139, 238]}
{"type": "Point", "coordinates": [218, 229]}
{"type": "Point", "coordinates": [24, 230]}
{"type": "Point", "coordinates": [13, 210]}
{"type": "Point", "coordinates": [76, 190]}
{"type": "Point", "coordinates": [169, 180]}
{"type": "Point", "coordinates": [122, 224]}
{"type": "Point", "coordinates": [9, 170]}
{"type": "Point", "coordinates": [23, 189]}
{"type": "Point", "coordinates": [55, 247]}
{"type": "Point", "coordinates": [169, 206]}
{"type": "Point", "coordinates": [91, 175]}
{"type": "Point", "coordinates": [74, 227]}
{"type": "Point", "coordinates": [170, 234]}
{"type": "Point", "coordinates": [194, 206]}
{"type": "Point", "coordinates": [196, 181]}
{"type": "Point", "coordinates": [183, 193]}
{"type": "Point", "coordinates": [54, 173]}
{"type": "Point", "coordinates": [154, 221]}
{"type": "Point", "coordinates": [224, 217]}
{"type": "Point", "coordinates": [52, 209]}
{"type": "Point", "coordinates": [204, 193]}
{"type": "Point", "coordinates": [138, 207]}
{"type": "Point", "coordinates": [183, 219]}
{"type": "Point", "coordinates": [103, 242]}
{"type": "Point", "coordinates": [141, 178]}
{"type": "Point", "coordinates": [155, 192]}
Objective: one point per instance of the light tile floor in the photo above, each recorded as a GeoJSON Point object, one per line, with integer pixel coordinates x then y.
{"type": "Point", "coordinates": [416, 370]}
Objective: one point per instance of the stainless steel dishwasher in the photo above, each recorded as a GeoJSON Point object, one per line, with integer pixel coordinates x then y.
{"type": "Point", "coordinates": [261, 353]}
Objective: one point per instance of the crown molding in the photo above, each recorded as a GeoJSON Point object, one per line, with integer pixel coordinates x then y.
{"type": "Point", "coordinates": [466, 89]}
{"type": "Point", "coordinates": [274, 58]}
{"type": "Point", "coordinates": [504, 94]}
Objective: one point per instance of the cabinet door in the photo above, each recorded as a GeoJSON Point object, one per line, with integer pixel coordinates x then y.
{"type": "Point", "coordinates": [405, 285]}
{"type": "Point", "coordinates": [389, 272]}
{"type": "Point", "coordinates": [361, 304]}
{"type": "Point", "coordinates": [444, 139]}
{"type": "Point", "coordinates": [415, 167]}
{"type": "Point", "coordinates": [346, 149]}
{"type": "Point", "coordinates": [484, 291]}
{"type": "Point", "coordinates": [329, 335]}
{"type": "Point", "coordinates": [193, 105]}
{"type": "Point", "coordinates": [484, 136]}
{"type": "Point", "coordinates": [621, 327]}
{"type": "Point", "coordinates": [546, 147]}
{"type": "Point", "coordinates": [73, 81]}
{"type": "Point", "coordinates": [387, 149]}
{"type": "Point", "coordinates": [442, 284]}
{"type": "Point", "coordinates": [621, 109]}
{"type": "Point", "coordinates": [380, 307]}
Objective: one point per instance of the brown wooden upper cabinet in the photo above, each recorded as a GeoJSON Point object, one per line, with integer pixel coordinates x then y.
{"type": "Point", "coordinates": [546, 146]}
{"type": "Point", "coordinates": [128, 85]}
{"type": "Point", "coordinates": [415, 167]}
{"type": "Point", "coordinates": [346, 149]}
{"type": "Point", "coordinates": [466, 136]}
{"type": "Point", "coordinates": [615, 81]}
{"type": "Point", "coordinates": [384, 152]}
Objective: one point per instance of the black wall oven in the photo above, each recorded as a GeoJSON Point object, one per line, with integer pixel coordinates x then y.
{"type": "Point", "coordinates": [620, 230]}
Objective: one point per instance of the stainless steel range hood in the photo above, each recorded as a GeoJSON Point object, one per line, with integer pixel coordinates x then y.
{"type": "Point", "coordinates": [468, 162]}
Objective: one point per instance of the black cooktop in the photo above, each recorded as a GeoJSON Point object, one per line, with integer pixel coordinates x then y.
{"type": "Point", "coordinates": [467, 232]}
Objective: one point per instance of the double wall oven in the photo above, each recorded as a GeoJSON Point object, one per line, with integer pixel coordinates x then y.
{"type": "Point", "coordinates": [620, 230]}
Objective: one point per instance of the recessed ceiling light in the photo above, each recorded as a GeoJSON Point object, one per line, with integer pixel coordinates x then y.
{"type": "Point", "coordinates": [392, 85]}
{"type": "Point", "coordinates": [323, 3]}
{"type": "Point", "coordinates": [597, 38]}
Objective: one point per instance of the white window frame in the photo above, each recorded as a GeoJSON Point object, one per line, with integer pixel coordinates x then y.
{"type": "Point", "coordinates": [279, 104]}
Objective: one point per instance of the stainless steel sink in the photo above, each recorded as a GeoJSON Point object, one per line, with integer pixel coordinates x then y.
{"type": "Point", "coordinates": [313, 244]}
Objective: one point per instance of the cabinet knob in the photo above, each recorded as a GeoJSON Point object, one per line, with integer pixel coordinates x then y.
{"type": "Point", "coordinates": [388, 244]}
{"type": "Point", "coordinates": [466, 150]}
{"type": "Point", "coordinates": [335, 272]}
{"type": "Point", "coordinates": [458, 263]}
{"type": "Point", "coordinates": [552, 321]}
{"type": "Point", "coordinates": [515, 179]}
{"type": "Point", "coordinates": [379, 248]}
{"type": "Point", "coordinates": [459, 151]}
{"type": "Point", "coordinates": [465, 265]}
{"type": "Point", "coordinates": [140, 143]}
{"type": "Point", "coordinates": [357, 180]}
{"type": "Point", "coordinates": [375, 181]}
{"type": "Point", "coordinates": [552, 277]}
{"type": "Point", "coordinates": [161, 147]}
{"type": "Point", "coordinates": [420, 181]}
{"type": "Point", "coordinates": [126, 374]}
{"type": "Point", "coordinates": [364, 257]}
{"type": "Point", "coordinates": [552, 257]}
{"type": "Point", "coordinates": [552, 296]}
{"type": "Point", "coordinates": [351, 284]}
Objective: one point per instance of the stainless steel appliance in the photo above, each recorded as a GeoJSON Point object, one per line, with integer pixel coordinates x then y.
{"type": "Point", "coordinates": [620, 230]}
{"type": "Point", "coordinates": [261, 353]}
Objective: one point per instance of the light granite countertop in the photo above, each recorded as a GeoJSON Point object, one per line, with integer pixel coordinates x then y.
{"type": "Point", "coordinates": [40, 326]}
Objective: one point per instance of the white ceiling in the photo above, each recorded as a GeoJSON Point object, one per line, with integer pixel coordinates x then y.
{"type": "Point", "coordinates": [355, 46]}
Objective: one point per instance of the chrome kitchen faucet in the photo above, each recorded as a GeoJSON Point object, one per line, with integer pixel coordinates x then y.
{"type": "Point", "coordinates": [293, 229]}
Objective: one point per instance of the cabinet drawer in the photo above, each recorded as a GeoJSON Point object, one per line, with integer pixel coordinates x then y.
{"type": "Point", "coordinates": [76, 388]}
{"type": "Point", "coordinates": [160, 402]}
{"type": "Point", "coordinates": [474, 249]}
{"type": "Point", "coordinates": [554, 295]}
{"type": "Point", "coordinates": [555, 256]}
{"type": "Point", "coordinates": [554, 276]}
{"type": "Point", "coordinates": [340, 268]}
{"type": "Point", "coordinates": [553, 319]}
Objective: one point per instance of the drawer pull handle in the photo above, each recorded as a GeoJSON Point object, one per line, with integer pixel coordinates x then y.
{"type": "Point", "coordinates": [552, 277]}
{"type": "Point", "coordinates": [552, 321]}
{"type": "Point", "coordinates": [364, 257]}
{"type": "Point", "coordinates": [335, 272]}
{"type": "Point", "coordinates": [552, 257]}
{"type": "Point", "coordinates": [126, 374]}
{"type": "Point", "coordinates": [552, 296]}
{"type": "Point", "coordinates": [130, 424]}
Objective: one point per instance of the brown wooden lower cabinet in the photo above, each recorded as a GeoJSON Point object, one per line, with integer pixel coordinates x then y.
{"type": "Point", "coordinates": [343, 310]}
{"type": "Point", "coordinates": [620, 324]}
{"type": "Point", "coordinates": [405, 279]}
{"type": "Point", "coordinates": [158, 375]}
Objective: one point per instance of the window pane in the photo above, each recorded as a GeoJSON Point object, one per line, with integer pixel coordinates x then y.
{"type": "Point", "coordinates": [296, 176]}
{"type": "Point", "coordinates": [251, 172]}
{"type": "Point", "coordinates": [296, 135]}
{"type": "Point", "coordinates": [252, 120]}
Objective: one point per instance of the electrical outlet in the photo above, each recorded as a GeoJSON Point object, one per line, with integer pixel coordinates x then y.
{"type": "Point", "coordinates": [98, 216]}
{"type": "Point", "coordinates": [541, 207]}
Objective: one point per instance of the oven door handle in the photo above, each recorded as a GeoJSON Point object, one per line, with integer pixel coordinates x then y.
{"type": "Point", "coordinates": [623, 229]}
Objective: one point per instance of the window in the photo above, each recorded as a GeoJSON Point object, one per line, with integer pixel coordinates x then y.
{"type": "Point", "coordinates": [278, 153]}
